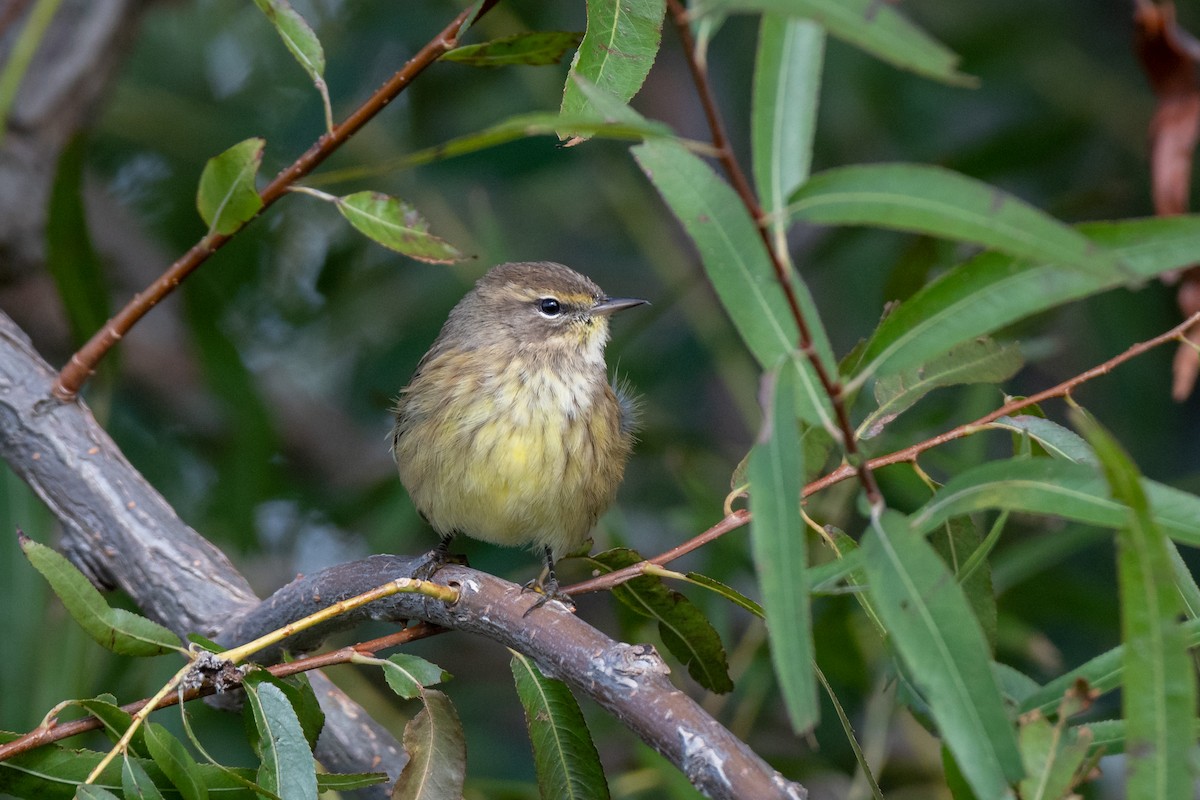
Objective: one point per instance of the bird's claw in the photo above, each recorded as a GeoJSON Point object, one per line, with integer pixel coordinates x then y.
{"type": "Point", "coordinates": [434, 560]}
{"type": "Point", "coordinates": [548, 591]}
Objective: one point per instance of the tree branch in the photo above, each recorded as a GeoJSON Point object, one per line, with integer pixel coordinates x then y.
{"type": "Point", "coordinates": [121, 532]}
{"type": "Point", "coordinates": [81, 365]}
{"type": "Point", "coordinates": [629, 681]}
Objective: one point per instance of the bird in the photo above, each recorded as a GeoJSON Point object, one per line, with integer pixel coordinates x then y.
{"type": "Point", "coordinates": [510, 430]}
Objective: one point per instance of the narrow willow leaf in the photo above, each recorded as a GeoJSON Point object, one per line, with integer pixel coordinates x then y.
{"type": "Point", "coordinates": [536, 48]}
{"type": "Point", "coordinates": [397, 226]}
{"type": "Point", "coordinates": [300, 696]}
{"type": "Point", "coordinates": [977, 361]}
{"type": "Point", "coordinates": [1054, 438]}
{"type": "Point", "coordinates": [931, 625]}
{"type": "Point", "coordinates": [685, 631]}
{"type": "Point", "coordinates": [116, 629]}
{"type": "Point", "coordinates": [287, 768]}
{"type": "Point", "coordinates": [994, 290]}
{"type": "Point", "coordinates": [955, 541]}
{"type": "Point", "coordinates": [226, 197]}
{"type": "Point", "coordinates": [617, 49]}
{"type": "Point", "coordinates": [1057, 488]}
{"type": "Point", "coordinates": [783, 112]}
{"type": "Point", "coordinates": [728, 592]}
{"type": "Point", "coordinates": [739, 267]}
{"type": "Point", "coordinates": [302, 42]}
{"type": "Point", "coordinates": [1102, 674]}
{"type": "Point", "coordinates": [90, 792]}
{"type": "Point", "coordinates": [1052, 758]}
{"type": "Point", "coordinates": [1158, 694]}
{"type": "Point", "coordinates": [520, 126]}
{"type": "Point", "coordinates": [780, 548]}
{"type": "Point", "coordinates": [408, 674]}
{"type": "Point", "coordinates": [135, 783]}
{"type": "Point", "coordinates": [933, 200]}
{"type": "Point", "coordinates": [437, 753]}
{"type": "Point", "coordinates": [52, 772]}
{"type": "Point", "coordinates": [564, 755]}
{"type": "Point", "coordinates": [175, 761]}
{"type": "Point", "coordinates": [115, 720]}
{"type": "Point", "coordinates": [877, 28]}
{"type": "Point", "coordinates": [348, 781]}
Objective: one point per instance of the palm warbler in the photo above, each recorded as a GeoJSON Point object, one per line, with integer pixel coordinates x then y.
{"type": "Point", "coordinates": [509, 431]}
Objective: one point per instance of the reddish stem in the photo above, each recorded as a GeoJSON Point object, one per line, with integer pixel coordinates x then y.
{"type": "Point", "coordinates": [831, 384]}
{"type": "Point", "coordinates": [83, 363]}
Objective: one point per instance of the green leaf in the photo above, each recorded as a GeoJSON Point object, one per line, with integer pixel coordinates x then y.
{"type": "Point", "coordinates": [287, 768]}
{"type": "Point", "coordinates": [564, 755]}
{"type": "Point", "coordinates": [51, 772]}
{"type": "Point", "coordinates": [297, 35]}
{"type": "Point", "coordinates": [135, 783]}
{"type": "Point", "coordinates": [685, 631]}
{"type": "Point", "coordinates": [408, 674]}
{"type": "Point", "coordinates": [226, 197]}
{"type": "Point", "coordinates": [739, 267]}
{"type": "Point", "coordinates": [537, 48]}
{"type": "Point", "coordinates": [397, 226]}
{"type": "Point", "coordinates": [728, 592]}
{"type": "Point", "coordinates": [115, 629]}
{"type": "Point", "coordinates": [1052, 758]}
{"type": "Point", "coordinates": [994, 290]}
{"type": "Point", "coordinates": [927, 199]}
{"type": "Point", "coordinates": [878, 28]}
{"type": "Point", "coordinates": [301, 697]}
{"type": "Point", "coordinates": [976, 361]}
{"type": "Point", "coordinates": [302, 43]}
{"type": "Point", "coordinates": [348, 781]}
{"type": "Point", "coordinates": [617, 50]}
{"type": "Point", "coordinates": [1056, 440]}
{"type": "Point", "coordinates": [1102, 674]}
{"type": "Point", "coordinates": [955, 541]}
{"type": "Point", "coordinates": [780, 548]}
{"type": "Point", "coordinates": [1057, 488]}
{"type": "Point", "coordinates": [1159, 690]}
{"type": "Point", "coordinates": [175, 761]}
{"type": "Point", "coordinates": [90, 792]}
{"type": "Point", "coordinates": [783, 112]}
{"type": "Point", "coordinates": [930, 622]}
{"type": "Point", "coordinates": [115, 720]}
{"type": "Point", "coordinates": [630, 127]}
{"type": "Point", "coordinates": [437, 753]}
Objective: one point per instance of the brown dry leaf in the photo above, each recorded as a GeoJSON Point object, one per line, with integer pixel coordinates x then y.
{"type": "Point", "coordinates": [1169, 56]}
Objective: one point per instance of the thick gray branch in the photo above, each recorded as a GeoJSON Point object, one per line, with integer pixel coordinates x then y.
{"type": "Point", "coordinates": [630, 681]}
{"type": "Point", "coordinates": [120, 531]}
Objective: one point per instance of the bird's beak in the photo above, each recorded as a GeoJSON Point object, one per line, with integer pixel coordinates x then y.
{"type": "Point", "coordinates": [613, 304]}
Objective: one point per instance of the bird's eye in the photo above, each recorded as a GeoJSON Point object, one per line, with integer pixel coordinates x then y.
{"type": "Point", "coordinates": [549, 307]}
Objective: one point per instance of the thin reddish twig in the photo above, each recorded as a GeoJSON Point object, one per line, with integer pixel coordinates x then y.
{"type": "Point", "coordinates": [741, 517]}
{"type": "Point", "coordinates": [57, 732]}
{"type": "Point", "coordinates": [83, 362]}
{"type": "Point", "coordinates": [831, 384]}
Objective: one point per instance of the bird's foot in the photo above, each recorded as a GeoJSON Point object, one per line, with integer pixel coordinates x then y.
{"type": "Point", "coordinates": [548, 589]}
{"type": "Point", "coordinates": [434, 560]}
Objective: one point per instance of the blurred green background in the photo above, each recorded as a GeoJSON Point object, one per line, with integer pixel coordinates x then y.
{"type": "Point", "coordinates": [256, 399]}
